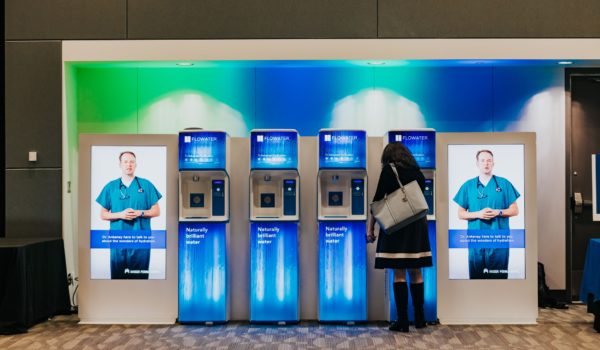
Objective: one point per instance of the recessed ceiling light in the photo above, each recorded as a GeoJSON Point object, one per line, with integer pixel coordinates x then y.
{"type": "Point", "coordinates": [565, 62]}
{"type": "Point", "coordinates": [185, 64]}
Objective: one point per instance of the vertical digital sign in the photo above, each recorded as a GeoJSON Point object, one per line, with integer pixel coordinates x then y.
{"type": "Point", "coordinates": [486, 234]}
{"type": "Point", "coordinates": [128, 232]}
{"type": "Point", "coordinates": [343, 149]}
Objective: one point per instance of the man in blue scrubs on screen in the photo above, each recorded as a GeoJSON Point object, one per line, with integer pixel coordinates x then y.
{"type": "Point", "coordinates": [129, 203]}
{"type": "Point", "coordinates": [487, 202]}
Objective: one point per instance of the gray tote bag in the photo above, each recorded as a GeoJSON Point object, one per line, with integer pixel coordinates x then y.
{"type": "Point", "coordinates": [401, 207]}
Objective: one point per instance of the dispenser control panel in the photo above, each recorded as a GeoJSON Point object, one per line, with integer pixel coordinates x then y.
{"type": "Point", "coordinates": [218, 197]}
{"type": "Point", "coordinates": [289, 197]}
{"type": "Point", "coordinates": [429, 195]}
{"type": "Point", "coordinates": [358, 196]}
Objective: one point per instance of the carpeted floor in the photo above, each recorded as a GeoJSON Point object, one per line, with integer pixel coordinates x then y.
{"type": "Point", "coordinates": [556, 329]}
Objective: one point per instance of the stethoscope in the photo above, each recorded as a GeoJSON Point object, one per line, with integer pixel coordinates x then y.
{"type": "Point", "coordinates": [480, 193]}
{"type": "Point", "coordinates": [124, 194]}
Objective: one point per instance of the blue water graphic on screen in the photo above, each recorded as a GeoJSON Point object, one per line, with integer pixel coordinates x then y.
{"type": "Point", "coordinates": [430, 285]}
{"type": "Point", "coordinates": [342, 149]}
{"type": "Point", "coordinates": [273, 150]}
{"type": "Point", "coordinates": [273, 271]}
{"type": "Point", "coordinates": [421, 143]}
{"type": "Point", "coordinates": [202, 272]}
{"type": "Point", "coordinates": [202, 150]}
{"type": "Point", "coordinates": [342, 271]}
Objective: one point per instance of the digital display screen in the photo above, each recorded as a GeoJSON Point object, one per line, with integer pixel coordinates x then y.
{"type": "Point", "coordinates": [128, 202]}
{"type": "Point", "coordinates": [421, 144]}
{"type": "Point", "coordinates": [343, 149]}
{"type": "Point", "coordinates": [273, 149]}
{"type": "Point", "coordinates": [486, 185]}
{"type": "Point", "coordinates": [202, 150]}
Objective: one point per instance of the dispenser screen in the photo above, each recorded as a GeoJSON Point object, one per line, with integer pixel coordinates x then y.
{"type": "Point", "coordinates": [274, 150]}
{"type": "Point", "coordinates": [202, 150]}
{"type": "Point", "coordinates": [342, 149]}
{"type": "Point", "coordinates": [421, 144]}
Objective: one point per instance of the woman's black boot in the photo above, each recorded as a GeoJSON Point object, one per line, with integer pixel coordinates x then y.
{"type": "Point", "coordinates": [401, 298]}
{"type": "Point", "coordinates": [417, 291]}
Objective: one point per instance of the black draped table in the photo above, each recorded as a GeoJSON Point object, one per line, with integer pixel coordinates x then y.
{"type": "Point", "coordinates": [590, 283]}
{"type": "Point", "coordinates": [33, 282]}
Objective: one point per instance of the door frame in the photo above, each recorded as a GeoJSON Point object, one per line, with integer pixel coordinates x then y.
{"type": "Point", "coordinates": [569, 74]}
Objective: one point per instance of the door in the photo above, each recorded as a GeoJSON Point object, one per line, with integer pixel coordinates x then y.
{"type": "Point", "coordinates": [584, 141]}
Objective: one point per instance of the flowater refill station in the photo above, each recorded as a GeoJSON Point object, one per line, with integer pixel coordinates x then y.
{"type": "Point", "coordinates": [421, 143]}
{"type": "Point", "coordinates": [342, 215]}
{"type": "Point", "coordinates": [274, 216]}
{"type": "Point", "coordinates": [203, 226]}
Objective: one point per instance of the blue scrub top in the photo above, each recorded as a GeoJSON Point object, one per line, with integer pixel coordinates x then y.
{"type": "Point", "coordinates": [499, 193]}
{"type": "Point", "coordinates": [140, 195]}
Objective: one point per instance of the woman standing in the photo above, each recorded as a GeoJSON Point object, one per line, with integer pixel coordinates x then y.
{"type": "Point", "coordinates": [408, 249]}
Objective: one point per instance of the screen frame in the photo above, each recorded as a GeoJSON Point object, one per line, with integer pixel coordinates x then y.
{"type": "Point", "coordinates": [468, 301]}
{"type": "Point", "coordinates": [127, 301]}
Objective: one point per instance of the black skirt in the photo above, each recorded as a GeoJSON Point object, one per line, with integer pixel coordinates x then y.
{"type": "Point", "coordinates": [407, 248]}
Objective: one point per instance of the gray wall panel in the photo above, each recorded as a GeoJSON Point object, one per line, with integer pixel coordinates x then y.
{"type": "Point", "coordinates": [160, 19]}
{"type": "Point", "coordinates": [489, 18]}
{"type": "Point", "coordinates": [33, 103]}
{"type": "Point", "coordinates": [65, 19]}
{"type": "Point", "coordinates": [33, 203]}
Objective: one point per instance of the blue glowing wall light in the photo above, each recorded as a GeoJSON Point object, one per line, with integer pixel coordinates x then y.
{"type": "Point", "coordinates": [342, 149]}
{"type": "Point", "coordinates": [273, 271]}
{"type": "Point", "coordinates": [342, 271]}
{"type": "Point", "coordinates": [203, 272]}
{"type": "Point", "coordinates": [202, 150]}
{"type": "Point", "coordinates": [274, 149]}
{"type": "Point", "coordinates": [430, 280]}
{"type": "Point", "coordinates": [421, 143]}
